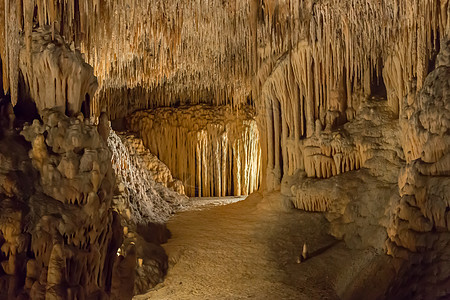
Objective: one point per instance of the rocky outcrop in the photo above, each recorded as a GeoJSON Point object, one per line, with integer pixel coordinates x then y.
{"type": "Point", "coordinates": [144, 206]}
{"type": "Point", "coordinates": [419, 218]}
{"type": "Point", "coordinates": [59, 233]}
{"type": "Point", "coordinates": [424, 182]}
{"type": "Point", "coordinates": [350, 174]}
{"type": "Point", "coordinates": [398, 199]}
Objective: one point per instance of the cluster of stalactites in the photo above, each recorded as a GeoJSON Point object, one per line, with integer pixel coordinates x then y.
{"type": "Point", "coordinates": [214, 150]}
{"type": "Point", "coordinates": [133, 43]}
{"type": "Point", "coordinates": [189, 47]}
{"type": "Point", "coordinates": [342, 52]}
{"type": "Point", "coordinates": [56, 76]}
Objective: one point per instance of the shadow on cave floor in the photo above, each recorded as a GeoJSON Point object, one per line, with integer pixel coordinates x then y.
{"type": "Point", "coordinates": [249, 250]}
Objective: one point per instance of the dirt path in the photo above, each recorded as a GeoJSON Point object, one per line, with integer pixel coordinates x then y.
{"type": "Point", "coordinates": [246, 251]}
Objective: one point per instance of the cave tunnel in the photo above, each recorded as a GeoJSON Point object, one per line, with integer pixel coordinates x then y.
{"type": "Point", "coordinates": [260, 149]}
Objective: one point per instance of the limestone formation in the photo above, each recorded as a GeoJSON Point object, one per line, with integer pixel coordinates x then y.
{"type": "Point", "coordinates": [149, 162]}
{"type": "Point", "coordinates": [142, 199]}
{"type": "Point", "coordinates": [144, 205]}
{"type": "Point", "coordinates": [56, 76]}
{"type": "Point", "coordinates": [424, 182]}
{"type": "Point", "coordinates": [340, 106]}
{"type": "Point", "coordinates": [215, 151]}
{"type": "Point", "coordinates": [161, 52]}
{"type": "Point", "coordinates": [59, 233]}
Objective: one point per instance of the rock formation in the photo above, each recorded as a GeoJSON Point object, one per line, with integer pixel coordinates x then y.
{"type": "Point", "coordinates": [342, 106]}
{"type": "Point", "coordinates": [144, 199]}
{"type": "Point", "coordinates": [55, 75]}
{"type": "Point", "coordinates": [155, 168]}
{"type": "Point", "coordinates": [419, 217]}
{"type": "Point", "coordinates": [59, 233]}
{"type": "Point", "coordinates": [214, 150]}
{"type": "Point", "coordinates": [144, 204]}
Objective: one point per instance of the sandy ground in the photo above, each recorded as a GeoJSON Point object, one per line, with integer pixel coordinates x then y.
{"type": "Point", "coordinates": [249, 250]}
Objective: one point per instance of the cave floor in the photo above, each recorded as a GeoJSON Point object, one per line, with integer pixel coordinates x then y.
{"type": "Point", "coordinates": [249, 249]}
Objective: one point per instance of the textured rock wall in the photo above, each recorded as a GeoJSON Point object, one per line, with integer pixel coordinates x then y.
{"type": "Point", "coordinates": [424, 182]}
{"type": "Point", "coordinates": [142, 198]}
{"type": "Point", "coordinates": [155, 168]}
{"type": "Point", "coordinates": [59, 233]}
{"type": "Point", "coordinates": [215, 151]}
{"type": "Point", "coordinates": [351, 173]}
{"type": "Point", "coordinates": [419, 219]}
{"type": "Point", "coordinates": [397, 196]}
{"type": "Point", "coordinates": [144, 204]}
{"type": "Point", "coordinates": [56, 76]}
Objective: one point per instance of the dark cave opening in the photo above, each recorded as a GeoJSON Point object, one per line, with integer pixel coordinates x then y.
{"type": "Point", "coordinates": [85, 106]}
{"type": "Point", "coordinates": [25, 109]}
{"type": "Point", "coordinates": [378, 87]}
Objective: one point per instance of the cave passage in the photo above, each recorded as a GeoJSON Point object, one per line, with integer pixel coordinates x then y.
{"type": "Point", "coordinates": [224, 149]}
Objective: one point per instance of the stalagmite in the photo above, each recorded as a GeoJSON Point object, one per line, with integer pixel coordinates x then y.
{"type": "Point", "coordinates": [305, 252]}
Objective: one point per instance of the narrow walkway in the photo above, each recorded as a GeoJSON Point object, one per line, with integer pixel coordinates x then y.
{"type": "Point", "coordinates": [247, 251]}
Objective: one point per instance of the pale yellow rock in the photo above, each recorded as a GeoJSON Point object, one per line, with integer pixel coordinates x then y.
{"type": "Point", "coordinates": [56, 77]}
{"type": "Point", "coordinates": [217, 149]}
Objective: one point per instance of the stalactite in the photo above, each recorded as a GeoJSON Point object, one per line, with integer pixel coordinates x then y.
{"type": "Point", "coordinates": [215, 151]}
{"type": "Point", "coordinates": [307, 62]}
{"type": "Point", "coordinates": [332, 67]}
{"type": "Point", "coordinates": [180, 48]}
{"type": "Point", "coordinates": [54, 75]}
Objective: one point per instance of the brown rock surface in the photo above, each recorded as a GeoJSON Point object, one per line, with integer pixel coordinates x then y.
{"type": "Point", "coordinates": [58, 234]}
{"type": "Point", "coordinates": [341, 106]}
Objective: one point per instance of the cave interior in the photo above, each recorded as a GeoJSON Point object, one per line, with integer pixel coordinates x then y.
{"type": "Point", "coordinates": [225, 149]}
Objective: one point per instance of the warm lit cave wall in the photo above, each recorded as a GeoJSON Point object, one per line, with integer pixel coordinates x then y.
{"type": "Point", "coordinates": [213, 150]}
{"type": "Point", "coordinates": [297, 61]}
{"type": "Point", "coordinates": [351, 98]}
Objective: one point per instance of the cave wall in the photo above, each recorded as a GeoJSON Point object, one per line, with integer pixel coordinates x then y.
{"type": "Point", "coordinates": [320, 82]}
{"type": "Point", "coordinates": [59, 234]}
{"type": "Point", "coordinates": [312, 70]}
{"type": "Point", "coordinates": [214, 150]}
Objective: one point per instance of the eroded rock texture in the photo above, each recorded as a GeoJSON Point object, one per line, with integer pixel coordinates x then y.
{"type": "Point", "coordinates": [59, 233]}
{"type": "Point", "coordinates": [397, 197]}
{"type": "Point", "coordinates": [155, 168]}
{"type": "Point", "coordinates": [361, 160]}
{"type": "Point", "coordinates": [214, 150]}
{"type": "Point", "coordinates": [144, 204]}
{"type": "Point", "coordinates": [420, 218]}
{"type": "Point", "coordinates": [56, 76]}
